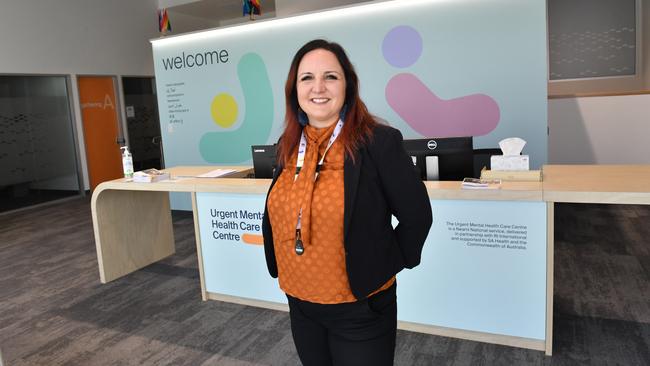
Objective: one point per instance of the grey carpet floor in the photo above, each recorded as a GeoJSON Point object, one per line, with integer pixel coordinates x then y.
{"type": "Point", "coordinates": [54, 311]}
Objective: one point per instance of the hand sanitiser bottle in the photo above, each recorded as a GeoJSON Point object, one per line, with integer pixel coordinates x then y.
{"type": "Point", "coordinates": [127, 162]}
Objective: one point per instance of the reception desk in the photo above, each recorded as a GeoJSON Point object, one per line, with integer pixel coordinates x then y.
{"type": "Point", "coordinates": [487, 266]}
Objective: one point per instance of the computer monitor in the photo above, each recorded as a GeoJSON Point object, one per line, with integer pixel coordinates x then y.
{"type": "Point", "coordinates": [264, 160]}
{"type": "Point", "coordinates": [455, 159]}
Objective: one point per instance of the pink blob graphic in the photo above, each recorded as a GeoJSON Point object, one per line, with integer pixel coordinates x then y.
{"type": "Point", "coordinates": [430, 116]}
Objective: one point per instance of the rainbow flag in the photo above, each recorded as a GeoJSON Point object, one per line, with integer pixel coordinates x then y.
{"type": "Point", "coordinates": [252, 7]}
{"type": "Point", "coordinates": [164, 25]}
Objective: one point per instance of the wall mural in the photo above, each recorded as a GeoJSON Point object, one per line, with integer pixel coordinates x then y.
{"type": "Point", "coordinates": [234, 146]}
{"type": "Point", "coordinates": [428, 68]}
{"type": "Point", "coordinates": [420, 107]}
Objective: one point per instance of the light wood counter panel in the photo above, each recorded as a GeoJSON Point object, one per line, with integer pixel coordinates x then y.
{"type": "Point", "coordinates": [241, 171]}
{"type": "Point", "coordinates": [132, 230]}
{"type": "Point", "coordinates": [509, 191]}
{"type": "Point", "coordinates": [132, 221]}
{"type": "Point", "coordinates": [550, 275]}
{"type": "Point", "coordinates": [624, 184]}
{"type": "Point", "coordinates": [182, 180]}
{"type": "Point", "coordinates": [442, 190]}
{"type": "Point", "coordinates": [199, 250]}
{"type": "Point", "coordinates": [234, 185]}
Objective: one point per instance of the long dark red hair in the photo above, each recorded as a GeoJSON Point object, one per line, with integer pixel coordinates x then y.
{"type": "Point", "coordinates": [358, 121]}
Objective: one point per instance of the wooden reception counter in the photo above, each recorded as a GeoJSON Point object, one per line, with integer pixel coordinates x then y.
{"type": "Point", "coordinates": [132, 221]}
{"type": "Point", "coordinates": [125, 213]}
{"type": "Point", "coordinates": [621, 184]}
{"type": "Point", "coordinates": [133, 228]}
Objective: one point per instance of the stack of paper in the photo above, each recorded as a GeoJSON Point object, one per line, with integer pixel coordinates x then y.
{"type": "Point", "coordinates": [513, 175]}
{"type": "Point", "coordinates": [149, 176]}
{"type": "Point", "coordinates": [216, 173]}
{"type": "Point", "coordinates": [474, 183]}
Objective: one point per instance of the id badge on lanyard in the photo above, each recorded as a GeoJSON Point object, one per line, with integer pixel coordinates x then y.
{"type": "Point", "coordinates": [302, 148]}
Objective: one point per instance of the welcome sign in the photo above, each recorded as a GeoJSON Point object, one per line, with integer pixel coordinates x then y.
{"type": "Point", "coordinates": [431, 68]}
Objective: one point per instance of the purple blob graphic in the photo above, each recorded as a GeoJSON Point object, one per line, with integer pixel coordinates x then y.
{"type": "Point", "coordinates": [402, 46]}
{"type": "Point", "coordinates": [429, 115]}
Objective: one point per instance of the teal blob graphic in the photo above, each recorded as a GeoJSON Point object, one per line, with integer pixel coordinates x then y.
{"type": "Point", "coordinates": [235, 146]}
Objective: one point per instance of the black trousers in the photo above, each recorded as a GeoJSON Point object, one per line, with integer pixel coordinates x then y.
{"type": "Point", "coordinates": [358, 333]}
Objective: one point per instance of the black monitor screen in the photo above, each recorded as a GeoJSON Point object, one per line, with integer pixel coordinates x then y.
{"type": "Point", "coordinates": [454, 155]}
{"type": "Point", "coordinates": [264, 160]}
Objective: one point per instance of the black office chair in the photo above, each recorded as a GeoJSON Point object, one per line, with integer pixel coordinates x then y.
{"type": "Point", "coordinates": [482, 159]}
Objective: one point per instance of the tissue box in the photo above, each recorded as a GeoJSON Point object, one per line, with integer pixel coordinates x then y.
{"type": "Point", "coordinates": [509, 162]}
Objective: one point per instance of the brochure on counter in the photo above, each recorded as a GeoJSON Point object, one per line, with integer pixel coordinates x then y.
{"type": "Point", "coordinates": [150, 176]}
{"type": "Point", "coordinates": [475, 183]}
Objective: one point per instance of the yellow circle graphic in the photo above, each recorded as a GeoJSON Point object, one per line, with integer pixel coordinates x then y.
{"type": "Point", "coordinates": [224, 110]}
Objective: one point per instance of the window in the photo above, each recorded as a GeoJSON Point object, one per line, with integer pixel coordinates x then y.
{"type": "Point", "coordinates": [38, 160]}
{"type": "Point", "coordinates": [595, 47]}
{"type": "Point", "coordinates": [591, 38]}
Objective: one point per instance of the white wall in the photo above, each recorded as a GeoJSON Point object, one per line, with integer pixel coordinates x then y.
{"type": "Point", "coordinates": [244, 19]}
{"type": "Point", "coordinates": [284, 8]}
{"type": "Point", "coordinates": [171, 3]}
{"type": "Point", "coordinates": [78, 37]}
{"type": "Point", "coordinates": [183, 23]}
{"type": "Point", "coordinates": [599, 130]}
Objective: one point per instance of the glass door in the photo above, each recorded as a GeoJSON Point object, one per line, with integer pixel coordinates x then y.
{"type": "Point", "coordinates": [38, 158]}
{"type": "Point", "coordinates": [142, 122]}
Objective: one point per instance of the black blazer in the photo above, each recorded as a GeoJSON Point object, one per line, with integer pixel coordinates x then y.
{"type": "Point", "coordinates": [380, 182]}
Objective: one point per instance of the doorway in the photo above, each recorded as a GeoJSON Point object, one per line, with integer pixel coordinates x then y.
{"type": "Point", "coordinates": [142, 122]}
{"type": "Point", "coordinates": [101, 128]}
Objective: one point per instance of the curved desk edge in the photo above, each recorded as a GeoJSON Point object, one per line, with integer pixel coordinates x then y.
{"type": "Point", "coordinates": [133, 228]}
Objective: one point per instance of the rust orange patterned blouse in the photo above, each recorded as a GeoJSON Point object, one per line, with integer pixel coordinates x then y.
{"type": "Point", "coordinates": [319, 274]}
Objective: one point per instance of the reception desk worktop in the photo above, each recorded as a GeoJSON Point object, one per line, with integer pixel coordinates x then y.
{"type": "Point", "coordinates": [487, 266]}
{"type": "Point", "coordinates": [622, 184]}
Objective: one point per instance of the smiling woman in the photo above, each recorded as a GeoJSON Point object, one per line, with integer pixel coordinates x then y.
{"type": "Point", "coordinates": [327, 228]}
{"type": "Point", "coordinates": [321, 88]}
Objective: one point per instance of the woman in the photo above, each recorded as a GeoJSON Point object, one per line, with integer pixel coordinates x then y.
{"type": "Point", "coordinates": [327, 225]}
